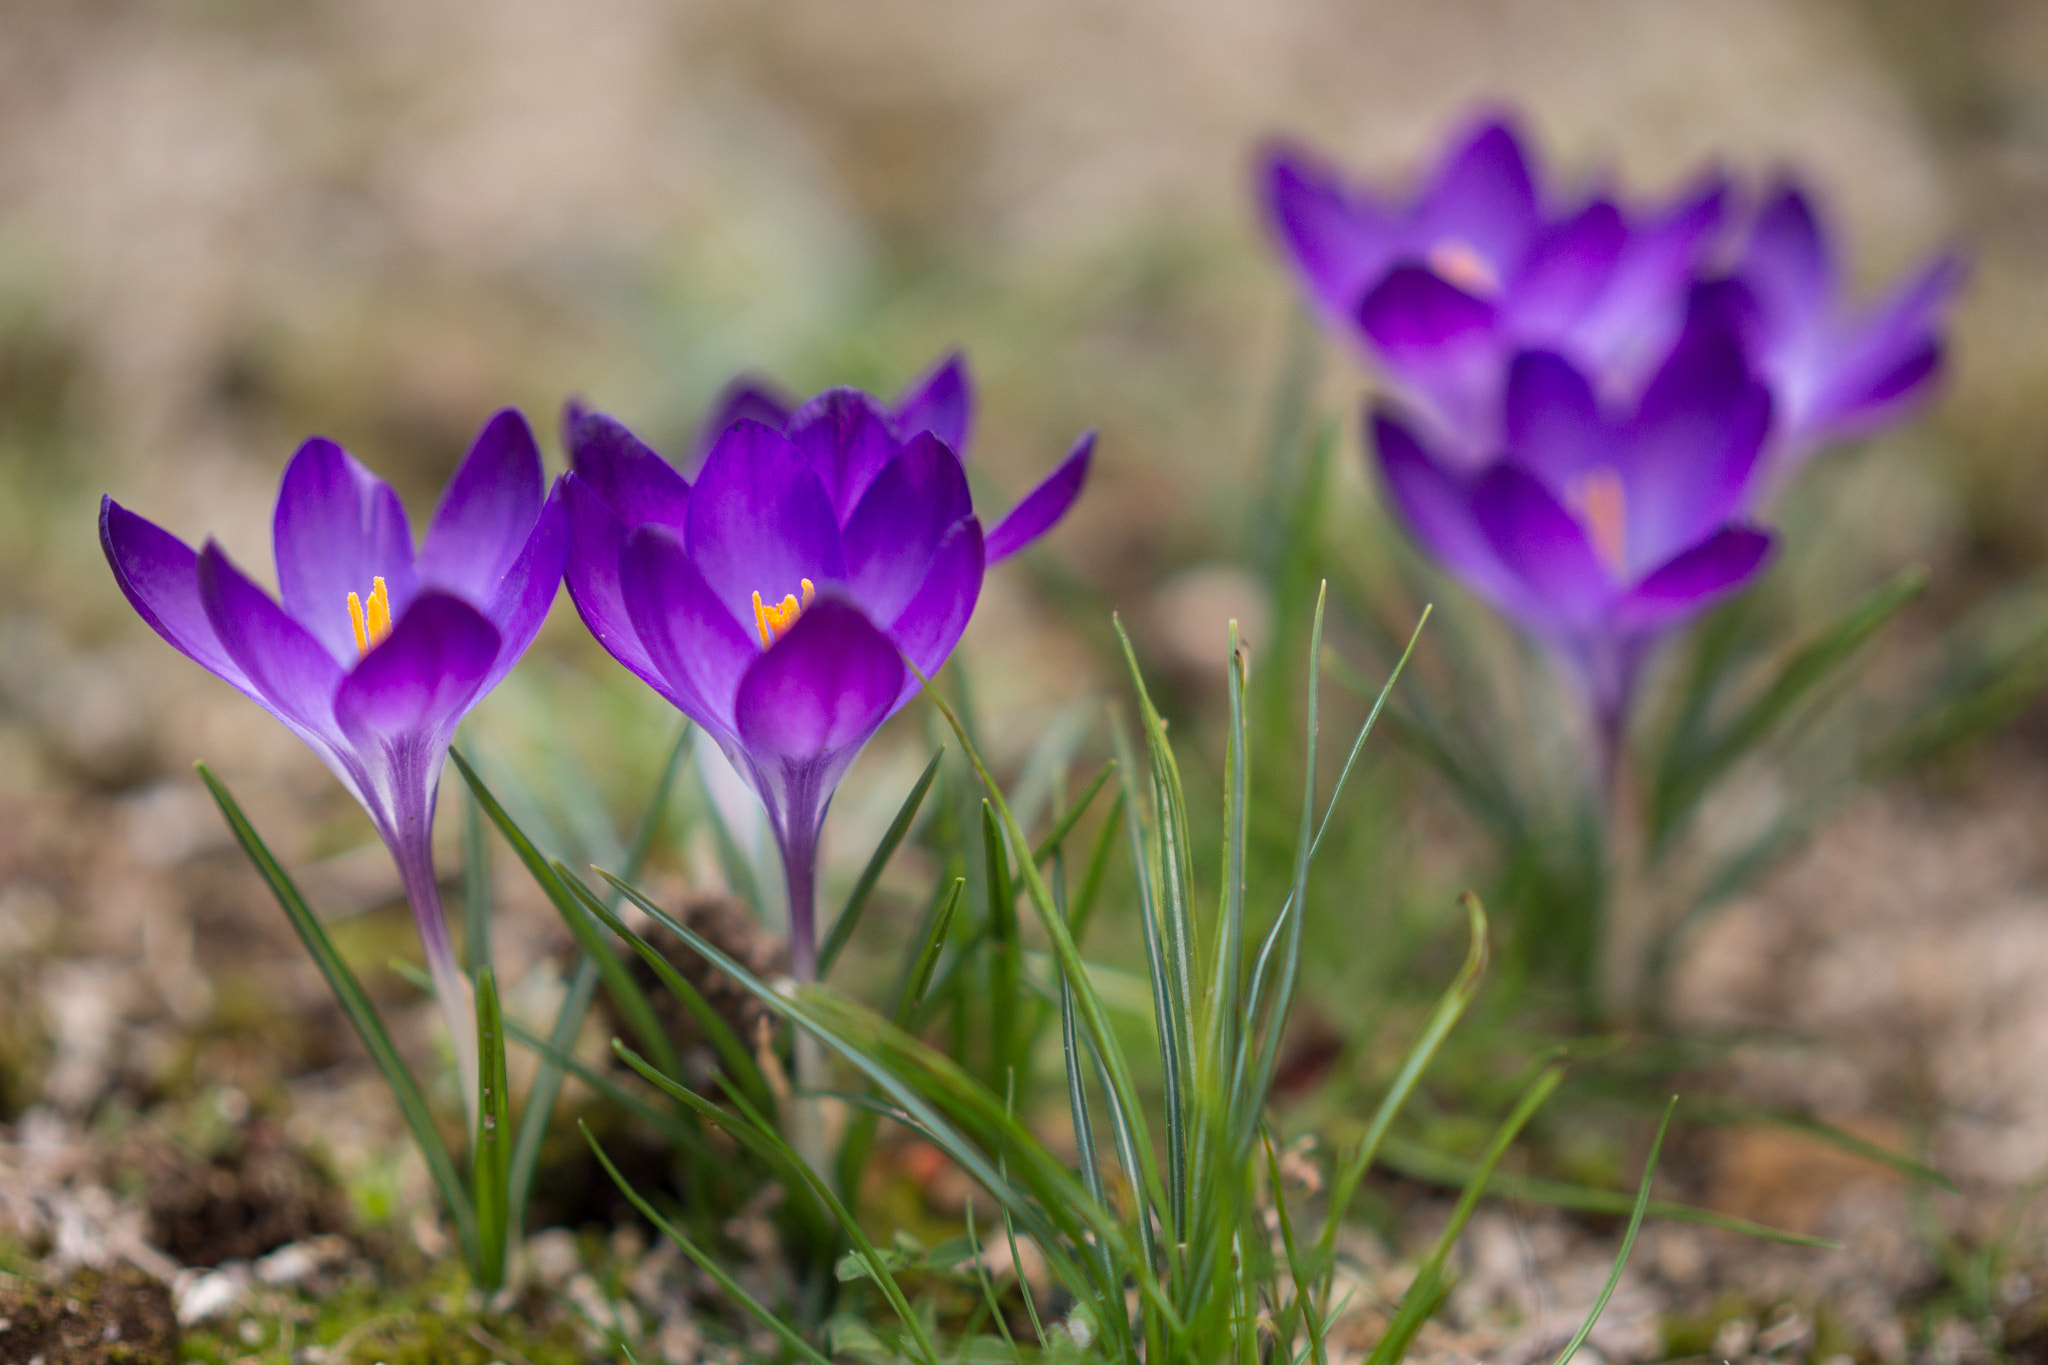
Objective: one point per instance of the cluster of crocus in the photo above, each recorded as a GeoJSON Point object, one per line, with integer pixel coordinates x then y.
{"type": "Point", "coordinates": [776, 598]}
{"type": "Point", "coordinates": [1592, 398]}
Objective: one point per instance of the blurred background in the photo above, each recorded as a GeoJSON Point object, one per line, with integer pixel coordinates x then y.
{"type": "Point", "coordinates": [228, 224]}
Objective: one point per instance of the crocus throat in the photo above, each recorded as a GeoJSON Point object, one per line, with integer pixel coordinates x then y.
{"type": "Point", "coordinates": [1602, 503]}
{"type": "Point", "coordinates": [371, 619]}
{"type": "Point", "coordinates": [1464, 267]}
{"type": "Point", "coordinates": [774, 621]}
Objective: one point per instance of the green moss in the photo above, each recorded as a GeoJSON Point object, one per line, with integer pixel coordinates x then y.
{"type": "Point", "coordinates": [428, 1318]}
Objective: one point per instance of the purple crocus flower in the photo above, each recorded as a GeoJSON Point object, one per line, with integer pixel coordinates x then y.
{"type": "Point", "coordinates": [1835, 372]}
{"type": "Point", "coordinates": [1598, 527]}
{"type": "Point", "coordinates": [376, 653]}
{"type": "Point", "coordinates": [940, 401]}
{"type": "Point", "coordinates": [775, 599]}
{"type": "Point", "coordinates": [1446, 288]}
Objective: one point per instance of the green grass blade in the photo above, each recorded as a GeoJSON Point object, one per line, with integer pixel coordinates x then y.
{"type": "Point", "coordinates": [1728, 1113]}
{"type": "Point", "coordinates": [1228, 979]}
{"type": "Point", "coordinates": [1071, 816]}
{"type": "Point", "coordinates": [1688, 769]}
{"type": "Point", "coordinates": [348, 992]}
{"type": "Point", "coordinates": [1628, 1241]}
{"type": "Point", "coordinates": [733, 1055]}
{"type": "Point", "coordinates": [919, 978]}
{"type": "Point", "coordinates": [547, 1082]}
{"type": "Point", "coordinates": [1420, 1163]}
{"type": "Point", "coordinates": [687, 1138]}
{"type": "Point", "coordinates": [1430, 1281]}
{"type": "Point", "coordinates": [849, 916]}
{"type": "Point", "coordinates": [1443, 1017]}
{"type": "Point", "coordinates": [618, 982]}
{"type": "Point", "coordinates": [1090, 894]}
{"type": "Point", "coordinates": [784, 1333]}
{"type": "Point", "coordinates": [1304, 1282]}
{"type": "Point", "coordinates": [476, 889]}
{"type": "Point", "coordinates": [1120, 1089]}
{"type": "Point", "coordinates": [488, 1167]}
{"type": "Point", "coordinates": [1004, 962]}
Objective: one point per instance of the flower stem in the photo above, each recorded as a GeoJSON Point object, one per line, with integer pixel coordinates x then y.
{"type": "Point", "coordinates": [415, 859]}
{"type": "Point", "coordinates": [806, 1110]}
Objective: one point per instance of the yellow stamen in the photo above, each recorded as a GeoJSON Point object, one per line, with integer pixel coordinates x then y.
{"type": "Point", "coordinates": [773, 620]}
{"type": "Point", "coordinates": [1461, 265]}
{"type": "Point", "coordinates": [1600, 498]}
{"type": "Point", "coordinates": [372, 620]}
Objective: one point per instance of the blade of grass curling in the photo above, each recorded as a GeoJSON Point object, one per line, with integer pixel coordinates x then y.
{"type": "Point", "coordinates": [476, 889]}
{"type": "Point", "coordinates": [1119, 1089]}
{"type": "Point", "coordinates": [835, 1020]}
{"type": "Point", "coordinates": [764, 1133]}
{"type": "Point", "coordinates": [348, 992]}
{"type": "Point", "coordinates": [784, 1333]}
{"type": "Point", "coordinates": [1430, 1282]}
{"type": "Point", "coordinates": [547, 1082]}
{"type": "Point", "coordinates": [625, 991]}
{"type": "Point", "coordinates": [488, 1167]}
{"type": "Point", "coordinates": [1003, 961]}
{"type": "Point", "coordinates": [1628, 1241]}
{"type": "Point", "coordinates": [733, 1055]}
{"type": "Point", "coordinates": [857, 903]}
{"type": "Point", "coordinates": [1443, 1017]}
{"type": "Point", "coordinates": [830, 1015]}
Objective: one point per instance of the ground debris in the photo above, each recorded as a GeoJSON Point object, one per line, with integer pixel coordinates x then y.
{"type": "Point", "coordinates": [119, 1317]}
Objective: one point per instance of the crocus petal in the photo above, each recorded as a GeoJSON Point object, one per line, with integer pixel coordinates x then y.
{"type": "Point", "coordinates": [521, 598]}
{"type": "Point", "coordinates": [931, 622]}
{"type": "Point", "coordinates": [160, 576]}
{"type": "Point", "coordinates": [597, 539]}
{"type": "Point", "coordinates": [892, 535]}
{"type": "Point", "coordinates": [1044, 505]}
{"type": "Point", "coordinates": [423, 679]}
{"type": "Point", "coordinates": [487, 512]}
{"type": "Point", "coordinates": [812, 700]}
{"type": "Point", "coordinates": [1439, 340]}
{"type": "Point", "coordinates": [288, 670]}
{"type": "Point", "coordinates": [1694, 446]}
{"type": "Point", "coordinates": [698, 652]}
{"type": "Point", "coordinates": [1637, 317]}
{"type": "Point", "coordinates": [1567, 271]}
{"type": "Point", "coordinates": [942, 403]}
{"type": "Point", "coordinates": [1543, 545]}
{"type": "Point", "coordinates": [1891, 355]}
{"type": "Point", "coordinates": [847, 440]}
{"type": "Point", "coordinates": [1787, 259]}
{"type": "Point", "coordinates": [760, 521]}
{"type": "Point", "coordinates": [1554, 428]}
{"type": "Point", "coordinates": [1339, 241]}
{"type": "Point", "coordinates": [1483, 198]}
{"type": "Point", "coordinates": [1436, 507]}
{"type": "Point", "coordinates": [338, 527]}
{"type": "Point", "coordinates": [1695, 579]}
{"type": "Point", "coordinates": [748, 398]}
{"type": "Point", "coordinates": [625, 473]}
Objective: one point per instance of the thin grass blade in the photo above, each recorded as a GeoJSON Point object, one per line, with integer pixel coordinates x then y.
{"type": "Point", "coordinates": [857, 902]}
{"type": "Point", "coordinates": [348, 992]}
{"type": "Point", "coordinates": [1628, 1241]}
{"type": "Point", "coordinates": [488, 1158]}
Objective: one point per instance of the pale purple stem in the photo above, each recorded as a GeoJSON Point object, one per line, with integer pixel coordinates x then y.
{"type": "Point", "coordinates": [413, 851]}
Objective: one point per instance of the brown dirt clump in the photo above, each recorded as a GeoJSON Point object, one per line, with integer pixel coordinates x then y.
{"type": "Point", "coordinates": [121, 1317]}
{"type": "Point", "coordinates": [258, 1195]}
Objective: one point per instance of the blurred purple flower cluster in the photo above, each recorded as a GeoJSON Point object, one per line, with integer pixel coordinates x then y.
{"type": "Point", "coordinates": [1592, 398]}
